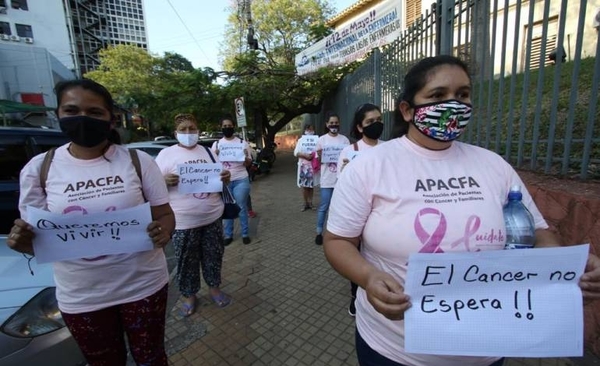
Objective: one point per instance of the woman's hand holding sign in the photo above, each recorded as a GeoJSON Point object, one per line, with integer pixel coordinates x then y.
{"type": "Point", "coordinates": [225, 176]}
{"type": "Point", "coordinates": [172, 180]}
{"type": "Point", "coordinates": [21, 236]}
{"type": "Point", "coordinates": [590, 281]}
{"type": "Point", "coordinates": [386, 295]}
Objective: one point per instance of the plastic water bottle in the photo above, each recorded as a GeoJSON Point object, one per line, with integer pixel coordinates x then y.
{"type": "Point", "coordinates": [520, 228]}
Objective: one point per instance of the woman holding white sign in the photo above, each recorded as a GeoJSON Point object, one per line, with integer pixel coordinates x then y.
{"type": "Point", "coordinates": [235, 154]}
{"type": "Point", "coordinates": [421, 193]}
{"type": "Point", "coordinates": [102, 297]}
{"type": "Point", "coordinates": [198, 235]}
{"type": "Point", "coordinates": [307, 178]}
{"type": "Point", "coordinates": [329, 147]}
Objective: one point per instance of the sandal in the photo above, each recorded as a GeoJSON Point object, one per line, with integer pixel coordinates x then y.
{"type": "Point", "coordinates": [187, 308]}
{"type": "Point", "coordinates": [221, 300]}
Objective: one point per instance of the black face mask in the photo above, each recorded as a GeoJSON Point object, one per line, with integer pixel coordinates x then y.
{"type": "Point", "coordinates": [85, 131]}
{"type": "Point", "coordinates": [374, 130]}
{"type": "Point", "coordinates": [228, 131]}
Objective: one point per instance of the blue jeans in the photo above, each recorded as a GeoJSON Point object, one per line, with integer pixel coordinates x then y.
{"type": "Point", "coordinates": [367, 356]}
{"type": "Point", "coordinates": [240, 190]}
{"type": "Point", "coordinates": [326, 194]}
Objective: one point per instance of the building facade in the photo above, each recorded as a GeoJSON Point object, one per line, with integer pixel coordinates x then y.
{"type": "Point", "coordinates": [96, 24]}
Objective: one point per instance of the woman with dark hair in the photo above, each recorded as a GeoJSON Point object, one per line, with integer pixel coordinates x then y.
{"type": "Point", "coordinates": [367, 127]}
{"type": "Point", "coordinates": [240, 182]}
{"type": "Point", "coordinates": [329, 147]}
{"type": "Point", "coordinates": [98, 309]}
{"type": "Point", "coordinates": [307, 178]}
{"type": "Point", "coordinates": [375, 204]}
{"type": "Point", "coordinates": [198, 236]}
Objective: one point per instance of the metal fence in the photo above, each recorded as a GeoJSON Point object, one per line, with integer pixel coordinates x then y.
{"type": "Point", "coordinates": [537, 113]}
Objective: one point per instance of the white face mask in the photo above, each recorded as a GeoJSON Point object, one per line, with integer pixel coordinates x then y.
{"type": "Point", "coordinates": [187, 139]}
{"type": "Point", "coordinates": [309, 132]}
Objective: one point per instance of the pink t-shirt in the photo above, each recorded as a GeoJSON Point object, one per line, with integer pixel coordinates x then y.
{"type": "Point", "coordinates": [329, 170]}
{"type": "Point", "coordinates": [351, 153]}
{"type": "Point", "coordinates": [191, 210]}
{"type": "Point", "coordinates": [238, 170]}
{"type": "Point", "coordinates": [405, 199]}
{"type": "Point", "coordinates": [78, 187]}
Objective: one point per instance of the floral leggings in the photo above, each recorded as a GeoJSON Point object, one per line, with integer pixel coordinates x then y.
{"type": "Point", "coordinates": [195, 248]}
{"type": "Point", "coordinates": [99, 334]}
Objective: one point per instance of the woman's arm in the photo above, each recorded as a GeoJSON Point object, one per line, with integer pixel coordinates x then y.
{"type": "Point", "coordinates": [162, 225]}
{"type": "Point", "coordinates": [383, 291]}
{"type": "Point", "coordinates": [545, 238]}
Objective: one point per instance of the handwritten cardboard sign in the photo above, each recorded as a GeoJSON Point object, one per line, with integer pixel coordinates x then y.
{"type": "Point", "coordinates": [72, 236]}
{"type": "Point", "coordinates": [514, 303]}
{"type": "Point", "coordinates": [331, 153]}
{"type": "Point", "coordinates": [200, 178]}
{"type": "Point", "coordinates": [308, 143]}
{"type": "Point", "coordinates": [232, 152]}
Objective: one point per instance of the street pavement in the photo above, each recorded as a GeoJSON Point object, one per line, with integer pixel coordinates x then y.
{"type": "Point", "coordinates": [289, 306]}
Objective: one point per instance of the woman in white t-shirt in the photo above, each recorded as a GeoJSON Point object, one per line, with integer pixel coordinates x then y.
{"type": "Point", "coordinates": [367, 127]}
{"type": "Point", "coordinates": [240, 182]}
{"type": "Point", "coordinates": [198, 235]}
{"type": "Point", "coordinates": [306, 178]}
{"type": "Point", "coordinates": [383, 200]}
{"type": "Point", "coordinates": [102, 297]}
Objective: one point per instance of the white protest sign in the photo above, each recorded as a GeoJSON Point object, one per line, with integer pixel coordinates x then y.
{"type": "Point", "coordinates": [331, 153]}
{"type": "Point", "coordinates": [61, 237]}
{"type": "Point", "coordinates": [513, 303]}
{"type": "Point", "coordinates": [240, 112]}
{"type": "Point", "coordinates": [308, 143]}
{"type": "Point", "coordinates": [199, 178]}
{"type": "Point", "coordinates": [232, 152]}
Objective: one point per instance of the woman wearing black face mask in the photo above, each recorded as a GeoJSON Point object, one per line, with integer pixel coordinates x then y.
{"type": "Point", "coordinates": [91, 175]}
{"type": "Point", "coordinates": [367, 127]}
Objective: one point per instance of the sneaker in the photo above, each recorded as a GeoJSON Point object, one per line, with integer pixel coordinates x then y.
{"type": "Point", "coordinates": [246, 240]}
{"type": "Point", "coordinates": [227, 241]}
{"type": "Point", "coordinates": [251, 214]}
{"type": "Point", "coordinates": [352, 307]}
{"type": "Point", "coordinates": [319, 239]}
{"type": "Point", "coordinates": [307, 207]}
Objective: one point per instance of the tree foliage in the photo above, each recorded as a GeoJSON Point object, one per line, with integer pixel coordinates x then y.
{"type": "Point", "coordinates": [160, 87]}
{"type": "Point", "coordinates": [266, 77]}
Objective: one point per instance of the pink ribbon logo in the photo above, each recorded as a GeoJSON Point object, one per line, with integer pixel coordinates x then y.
{"type": "Point", "coordinates": [431, 242]}
{"type": "Point", "coordinates": [473, 224]}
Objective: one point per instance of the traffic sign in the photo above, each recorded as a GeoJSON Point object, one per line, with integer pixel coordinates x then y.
{"type": "Point", "coordinates": [240, 112]}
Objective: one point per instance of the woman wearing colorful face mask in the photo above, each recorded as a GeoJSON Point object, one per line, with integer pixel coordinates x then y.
{"type": "Point", "coordinates": [103, 297]}
{"type": "Point", "coordinates": [306, 178]}
{"type": "Point", "coordinates": [382, 200]}
{"type": "Point", "coordinates": [240, 182]}
{"type": "Point", "coordinates": [198, 236]}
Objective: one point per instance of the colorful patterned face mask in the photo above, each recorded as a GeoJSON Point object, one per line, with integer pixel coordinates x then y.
{"type": "Point", "coordinates": [442, 121]}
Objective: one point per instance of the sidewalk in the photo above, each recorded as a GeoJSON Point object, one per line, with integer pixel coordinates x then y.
{"type": "Point", "coordinates": [289, 307]}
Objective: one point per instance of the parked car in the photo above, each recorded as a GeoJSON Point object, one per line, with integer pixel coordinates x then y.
{"type": "Point", "coordinates": [154, 147]}
{"type": "Point", "coordinates": [32, 331]}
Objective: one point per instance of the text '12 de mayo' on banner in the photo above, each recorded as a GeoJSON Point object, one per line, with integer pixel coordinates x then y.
{"type": "Point", "coordinates": [375, 27]}
{"type": "Point", "coordinates": [502, 303]}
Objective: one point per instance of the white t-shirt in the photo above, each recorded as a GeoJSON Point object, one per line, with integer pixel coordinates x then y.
{"type": "Point", "coordinates": [237, 169]}
{"type": "Point", "coordinates": [351, 153]}
{"type": "Point", "coordinates": [195, 209]}
{"type": "Point", "coordinates": [329, 170]}
{"type": "Point", "coordinates": [85, 285]}
{"type": "Point", "coordinates": [402, 199]}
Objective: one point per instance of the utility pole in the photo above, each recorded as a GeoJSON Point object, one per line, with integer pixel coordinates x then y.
{"type": "Point", "coordinates": [253, 45]}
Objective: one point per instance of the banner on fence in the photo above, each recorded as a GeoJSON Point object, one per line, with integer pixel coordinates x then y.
{"type": "Point", "coordinates": [375, 27]}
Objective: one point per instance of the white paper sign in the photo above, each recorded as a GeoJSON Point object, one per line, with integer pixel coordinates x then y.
{"type": "Point", "coordinates": [199, 178]}
{"type": "Point", "coordinates": [513, 303]}
{"type": "Point", "coordinates": [308, 143]}
{"type": "Point", "coordinates": [331, 153]}
{"type": "Point", "coordinates": [232, 152]}
{"type": "Point", "coordinates": [72, 236]}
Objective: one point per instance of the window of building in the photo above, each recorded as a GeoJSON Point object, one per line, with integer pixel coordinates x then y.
{"type": "Point", "coordinates": [19, 4]}
{"type": "Point", "coordinates": [24, 30]}
{"type": "Point", "coordinates": [413, 11]}
{"type": "Point", "coordinates": [5, 28]}
{"type": "Point", "coordinates": [536, 42]}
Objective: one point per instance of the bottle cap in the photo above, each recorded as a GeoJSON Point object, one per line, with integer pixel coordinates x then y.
{"type": "Point", "coordinates": [515, 188]}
